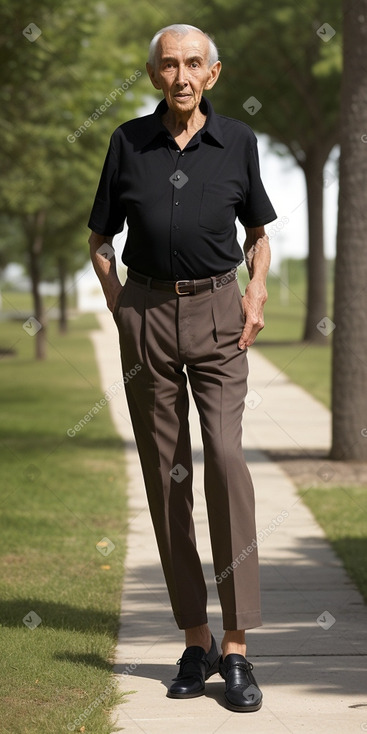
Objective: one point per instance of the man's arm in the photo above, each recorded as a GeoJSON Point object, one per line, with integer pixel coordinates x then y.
{"type": "Point", "coordinates": [257, 256]}
{"type": "Point", "coordinates": [105, 267]}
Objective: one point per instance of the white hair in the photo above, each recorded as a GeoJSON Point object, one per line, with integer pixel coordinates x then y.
{"type": "Point", "coordinates": [181, 29]}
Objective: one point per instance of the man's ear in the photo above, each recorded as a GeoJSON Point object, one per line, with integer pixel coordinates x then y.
{"type": "Point", "coordinates": [213, 75]}
{"type": "Point", "coordinates": [151, 73]}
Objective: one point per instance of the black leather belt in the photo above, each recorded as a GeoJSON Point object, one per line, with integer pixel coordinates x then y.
{"type": "Point", "coordinates": [184, 287]}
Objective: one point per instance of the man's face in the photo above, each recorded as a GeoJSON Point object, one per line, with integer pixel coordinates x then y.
{"type": "Point", "coordinates": [182, 71]}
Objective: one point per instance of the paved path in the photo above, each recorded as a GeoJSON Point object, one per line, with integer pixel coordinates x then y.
{"type": "Point", "coordinates": [310, 655]}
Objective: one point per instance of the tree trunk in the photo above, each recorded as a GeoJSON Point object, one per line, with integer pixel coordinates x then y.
{"type": "Point", "coordinates": [35, 229]}
{"type": "Point", "coordinates": [349, 391]}
{"type": "Point", "coordinates": [316, 265]}
{"type": "Point", "coordinates": [63, 320]}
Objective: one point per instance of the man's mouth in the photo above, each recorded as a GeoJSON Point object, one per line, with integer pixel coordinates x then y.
{"type": "Point", "coordinates": [182, 95]}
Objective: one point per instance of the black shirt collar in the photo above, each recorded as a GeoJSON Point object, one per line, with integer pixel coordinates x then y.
{"type": "Point", "coordinates": [211, 130]}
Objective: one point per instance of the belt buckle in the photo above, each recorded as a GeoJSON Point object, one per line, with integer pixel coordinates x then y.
{"type": "Point", "coordinates": [180, 283]}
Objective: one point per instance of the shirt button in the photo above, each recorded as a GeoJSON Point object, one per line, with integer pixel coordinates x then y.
{"type": "Point", "coordinates": [175, 227]}
{"type": "Point", "coordinates": [175, 252]}
{"type": "Point", "coordinates": [177, 203]}
{"type": "Point", "coordinates": [182, 154]}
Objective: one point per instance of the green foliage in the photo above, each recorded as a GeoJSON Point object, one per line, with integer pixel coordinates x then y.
{"type": "Point", "coordinates": [51, 87]}
{"type": "Point", "coordinates": [273, 52]}
{"type": "Point", "coordinates": [53, 134]}
{"type": "Point", "coordinates": [12, 241]}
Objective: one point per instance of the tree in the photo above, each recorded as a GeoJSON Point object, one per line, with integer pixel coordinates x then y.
{"type": "Point", "coordinates": [55, 76]}
{"type": "Point", "coordinates": [286, 57]}
{"type": "Point", "coordinates": [349, 391]}
{"type": "Point", "coordinates": [37, 66]}
{"type": "Point", "coordinates": [68, 255]}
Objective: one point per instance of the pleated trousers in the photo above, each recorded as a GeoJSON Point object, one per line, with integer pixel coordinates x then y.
{"type": "Point", "coordinates": [166, 339]}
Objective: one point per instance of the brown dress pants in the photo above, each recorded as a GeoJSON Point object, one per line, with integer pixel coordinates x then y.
{"type": "Point", "coordinates": [160, 332]}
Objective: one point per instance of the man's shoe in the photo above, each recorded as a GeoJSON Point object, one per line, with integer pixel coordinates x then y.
{"type": "Point", "coordinates": [196, 666]}
{"type": "Point", "coordinates": [242, 692]}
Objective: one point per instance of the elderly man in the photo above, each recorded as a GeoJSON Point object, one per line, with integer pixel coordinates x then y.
{"type": "Point", "coordinates": [180, 177]}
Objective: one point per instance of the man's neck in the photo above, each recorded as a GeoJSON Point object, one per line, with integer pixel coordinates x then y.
{"type": "Point", "coordinates": [185, 124]}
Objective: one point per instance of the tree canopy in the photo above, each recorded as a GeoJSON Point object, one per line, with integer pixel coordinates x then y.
{"type": "Point", "coordinates": [69, 76]}
{"type": "Point", "coordinates": [62, 101]}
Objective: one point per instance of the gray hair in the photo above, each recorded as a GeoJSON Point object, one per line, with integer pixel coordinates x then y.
{"type": "Point", "coordinates": [181, 29]}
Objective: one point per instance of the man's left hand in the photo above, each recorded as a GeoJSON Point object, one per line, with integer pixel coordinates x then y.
{"type": "Point", "coordinates": [253, 303]}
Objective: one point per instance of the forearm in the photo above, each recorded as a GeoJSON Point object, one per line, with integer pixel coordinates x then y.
{"type": "Point", "coordinates": [104, 264]}
{"type": "Point", "coordinates": [257, 253]}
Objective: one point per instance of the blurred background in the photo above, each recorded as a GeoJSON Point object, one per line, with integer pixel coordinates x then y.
{"type": "Point", "coordinates": [72, 72]}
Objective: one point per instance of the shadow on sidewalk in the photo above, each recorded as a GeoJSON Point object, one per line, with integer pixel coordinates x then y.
{"type": "Point", "coordinates": [292, 647]}
{"type": "Point", "coordinates": [338, 676]}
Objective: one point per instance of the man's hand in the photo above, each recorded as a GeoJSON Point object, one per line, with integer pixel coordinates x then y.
{"type": "Point", "coordinates": [253, 303]}
{"type": "Point", "coordinates": [103, 259]}
{"type": "Point", "coordinates": [257, 255]}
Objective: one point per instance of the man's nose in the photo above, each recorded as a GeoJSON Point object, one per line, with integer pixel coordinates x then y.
{"type": "Point", "coordinates": [181, 74]}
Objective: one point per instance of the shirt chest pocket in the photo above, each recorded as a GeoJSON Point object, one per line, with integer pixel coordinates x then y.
{"type": "Point", "coordinates": [217, 211]}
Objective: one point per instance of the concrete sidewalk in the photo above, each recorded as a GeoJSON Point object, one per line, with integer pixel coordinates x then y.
{"type": "Point", "coordinates": [310, 656]}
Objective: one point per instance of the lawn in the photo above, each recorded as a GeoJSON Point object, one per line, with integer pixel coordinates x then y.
{"type": "Point", "coordinates": [13, 301]}
{"type": "Point", "coordinates": [340, 511]}
{"type": "Point", "coordinates": [305, 364]}
{"type": "Point", "coordinates": [60, 496]}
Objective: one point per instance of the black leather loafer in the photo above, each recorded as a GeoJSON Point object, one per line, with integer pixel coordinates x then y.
{"type": "Point", "coordinates": [196, 666]}
{"type": "Point", "coordinates": [242, 692]}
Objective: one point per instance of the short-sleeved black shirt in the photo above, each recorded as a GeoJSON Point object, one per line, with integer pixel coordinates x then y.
{"type": "Point", "coordinates": [181, 205]}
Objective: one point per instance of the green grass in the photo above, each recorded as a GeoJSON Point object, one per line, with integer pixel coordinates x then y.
{"type": "Point", "coordinates": [308, 365]}
{"type": "Point", "coordinates": [18, 301]}
{"type": "Point", "coordinates": [59, 497]}
{"type": "Point", "coordinates": [342, 513]}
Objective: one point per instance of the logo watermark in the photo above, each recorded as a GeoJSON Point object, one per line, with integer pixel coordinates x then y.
{"type": "Point", "coordinates": [252, 105]}
{"type": "Point", "coordinates": [32, 326]}
{"type": "Point", "coordinates": [105, 546]}
{"type": "Point", "coordinates": [326, 620]}
{"type": "Point", "coordinates": [325, 326]}
{"type": "Point", "coordinates": [326, 32]}
{"type": "Point", "coordinates": [178, 473]}
{"type": "Point", "coordinates": [32, 620]}
{"type": "Point", "coordinates": [31, 32]}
